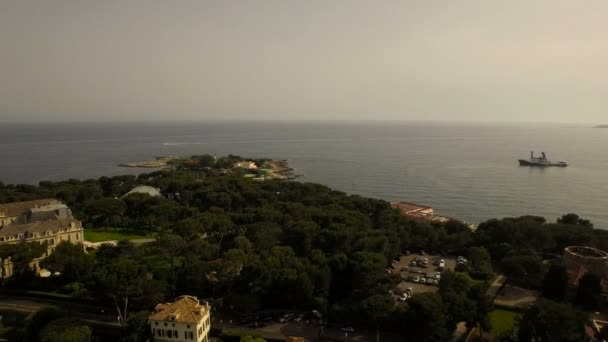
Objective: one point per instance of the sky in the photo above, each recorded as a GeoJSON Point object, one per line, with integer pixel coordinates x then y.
{"type": "Point", "coordinates": [466, 60]}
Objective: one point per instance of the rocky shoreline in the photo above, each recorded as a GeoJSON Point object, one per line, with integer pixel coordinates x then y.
{"type": "Point", "coordinates": [281, 170]}
{"type": "Point", "coordinates": [158, 163]}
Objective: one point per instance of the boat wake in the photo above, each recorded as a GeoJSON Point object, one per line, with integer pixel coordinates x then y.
{"type": "Point", "coordinates": [178, 143]}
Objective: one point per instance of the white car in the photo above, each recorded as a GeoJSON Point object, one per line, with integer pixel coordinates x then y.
{"type": "Point", "coordinates": [403, 297]}
{"type": "Point", "coordinates": [416, 279]}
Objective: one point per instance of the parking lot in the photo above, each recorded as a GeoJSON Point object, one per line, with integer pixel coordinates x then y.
{"type": "Point", "coordinates": [408, 271]}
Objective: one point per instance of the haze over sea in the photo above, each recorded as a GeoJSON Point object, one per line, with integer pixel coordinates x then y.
{"type": "Point", "coordinates": [464, 170]}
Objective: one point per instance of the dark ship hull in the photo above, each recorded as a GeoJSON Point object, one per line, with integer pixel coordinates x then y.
{"type": "Point", "coordinates": [523, 162]}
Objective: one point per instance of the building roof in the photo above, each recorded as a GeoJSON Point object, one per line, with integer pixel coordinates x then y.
{"type": "Point", "coordinates": [144, 189]}
{"type": "Point", "coordinates": [20, 208]}
{"type": "Point", "coordinates": [185, 309]}
{"type": "Point", "coordinates": [37, 227]}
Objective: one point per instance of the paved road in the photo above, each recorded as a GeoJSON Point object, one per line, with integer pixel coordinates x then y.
{"type": "Point", "coordinates": [87, 313]}
{"type": "Point", "coordinates": [278, 331]}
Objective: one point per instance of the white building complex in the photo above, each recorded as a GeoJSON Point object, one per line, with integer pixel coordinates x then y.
{"type": "Point", "coordinates": [182, 320]}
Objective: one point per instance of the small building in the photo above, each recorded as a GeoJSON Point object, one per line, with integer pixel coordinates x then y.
{"type": "Point", "coordinates": [185, 319]}
{"type": "Point", "coordinates": [249, 165]}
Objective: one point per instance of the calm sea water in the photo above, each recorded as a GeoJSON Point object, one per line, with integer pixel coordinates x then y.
{"type": "Point", "coordinates": [466, 171]}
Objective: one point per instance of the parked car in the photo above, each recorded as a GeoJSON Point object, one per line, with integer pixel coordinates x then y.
{"type": "Point", "coordinates": [403, 297]}
{"type": "Point", "coordinates": [422, 280]}
{"type": "Point", "coordinates": [405, 269]}
{"type": "Point", "coordinates": [413, 263]}
{"type": "Point", "coordinates": [416, 279]}
{"type": "Point", "coordinates": [286, 318]}
{"type": "Point", "coordinates": [298, 318]}
{"type": "Point", "coordinates": [348, 329]}
{"type": "Point", "coordinates": [429, 281]}
{"type": "Point", "coordinates": [409, 291]}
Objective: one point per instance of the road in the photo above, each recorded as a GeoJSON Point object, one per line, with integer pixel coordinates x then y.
{"type": "Point", "coordinates": [87, 313]}
{"type": "Point", "coordinates": [92, 314]}
{"type": "Point", "coordinates": [278, 331]}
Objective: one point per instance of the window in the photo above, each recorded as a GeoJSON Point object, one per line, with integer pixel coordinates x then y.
{"type": "Point", "coordinates": [169, 333]}
{"type": "Point", "coordinates": [77, 236]}
{"type": "Point", "coordinates": [155, 323]}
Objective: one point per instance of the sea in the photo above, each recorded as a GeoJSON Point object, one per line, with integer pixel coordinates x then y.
{"type": "Point", "coordinates": [467, 171]}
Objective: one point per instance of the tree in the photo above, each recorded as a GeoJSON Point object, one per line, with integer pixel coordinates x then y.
{"type": "Point", "coordinates": [483, 307]}
{"type": "Point", "coordinates": [249, 338]}
{"type": "Point", "coordinates": [574, 219]}
{"type": "Point", "coordinates": [589, 291]}
{"type": "Point", "coordinates": [121, 280]}
{"type": "Point", "coordinates": [425, 319]}
{"type": "Point", "coordinates": [480, 262]}
{"type": "Point", "coordinates": [22, 254]}
{"type": "Point", "coordinates": [70, 261]}
{"type": "Point", "coordinates": [459, 308]}
{"type": "Point", "coordinates": [454, 282]}
{"type": "Point", "coordinates": [38, 320]}
{"type": "Point", "coordinates": [548, 321]}
{"type": "Point", "coordinates": [137, 329]}
{"type": "Point", "coordinates": [378, 307]}
{"type": "Point", "coordinates": [65, 330]}
{"type": "Point", "coordinates": [555, 284]}
{"type": "Point", "coordinates": [526, 269]}
{"type": "Point", "coordinates": [106, 211]}
{"type": "Point", "coordinates": [172, 246]}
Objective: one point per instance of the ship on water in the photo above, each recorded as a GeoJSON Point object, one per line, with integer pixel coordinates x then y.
{"type": "Point", "coordinates": [540, 161]}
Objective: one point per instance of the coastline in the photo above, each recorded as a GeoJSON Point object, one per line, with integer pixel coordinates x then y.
{"type": "Point", "coordinates": [277, 169]}
{"type": "Point", "coordinates": [158, 163]}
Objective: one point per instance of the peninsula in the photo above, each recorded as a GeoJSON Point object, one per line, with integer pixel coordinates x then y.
{"type": "Point", "coordinates": [258, 169]}
{"type": "Point", "coordinates": [158, 163]}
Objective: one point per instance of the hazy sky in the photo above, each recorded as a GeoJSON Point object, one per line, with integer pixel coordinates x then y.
{"type": "Point", "coordinates": [516, 60]}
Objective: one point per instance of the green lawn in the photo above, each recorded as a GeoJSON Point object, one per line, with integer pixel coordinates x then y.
{"type": "Point", "coordinates": [502, 320]}
{"type": "Point", "coordinates": [97, 235]}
